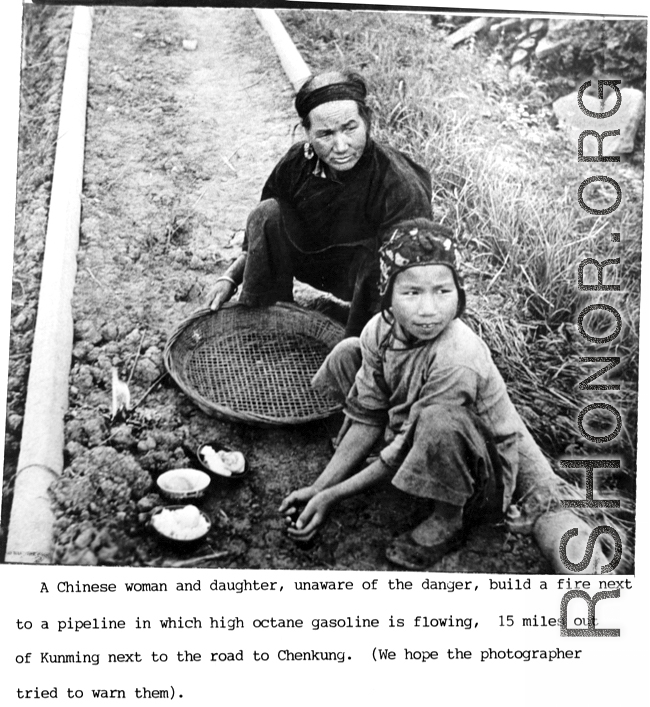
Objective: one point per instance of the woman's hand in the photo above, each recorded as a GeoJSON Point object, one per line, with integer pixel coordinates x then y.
{"type": "Point", "coordinates": [221, 293]}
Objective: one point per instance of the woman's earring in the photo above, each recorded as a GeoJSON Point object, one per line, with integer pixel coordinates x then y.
{"type": "Point", "coordinates": [308, 150]}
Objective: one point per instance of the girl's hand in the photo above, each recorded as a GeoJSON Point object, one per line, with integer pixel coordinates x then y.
{"type": "Point", "coordinates": [297, 500]}
{"type": "Point", "coordinates": [314, 515]}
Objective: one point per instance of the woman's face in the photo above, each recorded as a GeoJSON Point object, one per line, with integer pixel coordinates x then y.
{"type": "Point", "coordinates": [424, 300]}
{"type": "Point", "coordinates": [338, 134]}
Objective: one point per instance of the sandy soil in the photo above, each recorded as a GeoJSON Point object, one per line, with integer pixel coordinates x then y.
{"type": "Point", "coordinates": [179, 143]}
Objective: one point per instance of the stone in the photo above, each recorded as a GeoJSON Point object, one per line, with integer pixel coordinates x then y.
{"type": "Point", "coordinates": [110, 331]}
{"type": "Point", "coordinates": [123, 437]}
{"type": "Point", "coordinates": [537, 26]}
{"type": "Point", "coordinates": [83, 379]}
{"type": "Point", "coordinates": [190, 45]}
{"type": "Point", "coordinates": [519, 56]}
{"type": "Point", "coordinates": [95, 430]}
{"type": "Point", "coordinates": [84, 538]}
{"type": "Point", "coordinates": [85, 330]}
{"type": "Point", "coordinates": [14, 421]}
{"type": "Point", "coordinates": [626, 119]}
{"type": "Point", "coordinates": [547, 47]}
{"type": "Point", "coordinates": [147, 444]}
{"type": "Point", "coordinates": [147, 370]}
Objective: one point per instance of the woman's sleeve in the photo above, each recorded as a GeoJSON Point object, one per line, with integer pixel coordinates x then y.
{"type": "Point", "coordinates": [406, 197]}
{"type": "Point", "coordinates": [369, 398]}
{"type": "Point", "coordinates": [285, 175]}
{"type": "Point", "coordinates": [272, 188]}
{"type": "Point", "coordinates": [451, 385]}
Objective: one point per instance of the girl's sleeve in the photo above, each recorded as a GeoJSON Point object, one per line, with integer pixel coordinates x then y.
{"type": "Point", "coordinates": [368, 400]}
{"type": "Point", "coordinates": [451, 385]}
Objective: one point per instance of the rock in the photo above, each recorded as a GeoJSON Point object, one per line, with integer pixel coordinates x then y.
{"type": "Point", "coordinates": [85, 330]}
{"type": "Point", "coordinates": [626, 119]}
{"type": "Point", "coordinates": [104, 367]}
{"type": "Point", "coordinates": [119, 82]}
{"type": "Point", "coordinates": [556, 28]}
{"type": "Point", "coordinates": [88, 558]}
{"type": "Point", "coordinates": [14, 421]}
{"type": "Point", "coordinates": [81, 350]}
{"type": "Point", "coordinates": [147, 370]}
{"type": "Point", "coordinates": [546, 47]}
{"type": "Point", "coordinates": [112, 348]}
{"type": "Point", "coordinates": [74, 430]}
{"type": "Point", "coordinates": [516, 73]}
{"type": "Point", "coordinates": [24, 320]}
{"type": "Point", "coordinates": [149, 502]}
{"type": "Point", "coordinates": [154, 354]}
{"type": "Point", "coordinates": [110, 331]}
{"type": "Point", "coordinates": [84, 538]}
{"type": "Point", "coordinates": [190, 45]}
{"type": "Point", "coordinates": [74, 449]}
{"type": "Point", "coordinates": [519, 56]}
{"type": "Point", "coordinates": [537, 26]}
{"type": "Point", "coordinates": [83, 379]}
{"type": "Point", "coordinates": [147, 444]}
{"type": "Point", "coordinates": [472, 28]}
{"type": "Point", "coordinates": [91, 229]}
{"type": "Point", "coordinates": [95, 429]}
{"type": "Point", "coordinates": [123, 437]}
{"type": "Point", "coordinates": [133, 337]}
{"type": "Point", "coordinates": [107, 554]}
{"type": "Point", "coordinates": [509, 25]}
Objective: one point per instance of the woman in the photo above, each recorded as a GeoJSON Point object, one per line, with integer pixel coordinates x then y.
{"type": "Point", "coordinates": [327, 206]}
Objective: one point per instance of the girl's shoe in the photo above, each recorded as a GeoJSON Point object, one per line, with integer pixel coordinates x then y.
{"type": "Point", "coordinates": [406, 552]}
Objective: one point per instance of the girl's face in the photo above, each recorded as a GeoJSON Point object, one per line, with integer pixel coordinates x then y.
{"type": "Point", "coordinates": [424, 300]}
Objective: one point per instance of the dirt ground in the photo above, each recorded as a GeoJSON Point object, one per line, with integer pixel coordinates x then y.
{"type": "Point", "coordinates": [179, 143]}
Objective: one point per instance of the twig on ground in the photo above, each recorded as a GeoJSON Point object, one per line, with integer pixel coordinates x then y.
{"type": "Point", "coordinates": [196, 560]}
{"type": "Point", "coordinates": [228, 163]}
{"type": "Point", "coordinates": [137, 357]}
{"type": "Point", "coordinates": [149, 389]}
{"type": "Point", "coordinates": [90, 272]}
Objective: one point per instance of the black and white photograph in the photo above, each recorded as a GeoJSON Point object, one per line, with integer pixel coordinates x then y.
{"type": "Point", "coordinates": [323, 342]}
{"type": "Point", "coordinates": [325, 289]}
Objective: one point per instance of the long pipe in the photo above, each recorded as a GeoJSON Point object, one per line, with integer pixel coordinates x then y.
{"type": "Point", "coordinates": [41, 449]}
{"type": "Point", "coordinates": [293, 64]}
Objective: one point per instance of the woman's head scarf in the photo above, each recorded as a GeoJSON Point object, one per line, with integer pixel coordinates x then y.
{"type": "Point", "coordinates": [351, 87]}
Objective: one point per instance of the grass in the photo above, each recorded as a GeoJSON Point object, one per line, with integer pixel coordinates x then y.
{"type": "Point", "coordinates": [507, 182]}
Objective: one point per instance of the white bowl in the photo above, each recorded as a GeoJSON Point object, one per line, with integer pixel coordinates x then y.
{"type": "Point", "coordinates": [183, 484]}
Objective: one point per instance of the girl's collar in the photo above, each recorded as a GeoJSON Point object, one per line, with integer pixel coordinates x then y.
{"type": "Point", "coordinates": [397, 334]}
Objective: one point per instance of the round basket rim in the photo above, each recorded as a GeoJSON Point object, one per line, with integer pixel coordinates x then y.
{"type": "Point", "coordinates": [228, 413]}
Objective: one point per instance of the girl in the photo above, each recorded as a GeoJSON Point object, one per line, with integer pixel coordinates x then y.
{"type": "Point", "coordinates": [422, 379]}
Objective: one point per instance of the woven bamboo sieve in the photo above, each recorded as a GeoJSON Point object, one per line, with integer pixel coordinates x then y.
{"type": "Point", "coordinates": [254, 365]}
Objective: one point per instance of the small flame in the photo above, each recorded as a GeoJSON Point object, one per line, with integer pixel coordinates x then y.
{"type": "Point", "coordinates": [121, 396]}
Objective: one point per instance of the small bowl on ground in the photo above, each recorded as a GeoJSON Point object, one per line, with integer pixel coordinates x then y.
{"type": "Point", "coordinates": [183, 484]}
{"type": "Point", "coordinates": [222, 461]}
{"type": "Point", "coordinates": [183, 526]}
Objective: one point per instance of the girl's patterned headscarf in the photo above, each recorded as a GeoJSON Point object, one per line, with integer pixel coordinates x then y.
{"type": "Point", "coordinates": [418, 242]}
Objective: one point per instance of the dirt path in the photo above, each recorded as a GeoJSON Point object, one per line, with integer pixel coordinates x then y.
{"type": "Point", "coordinates": [179, 143]}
